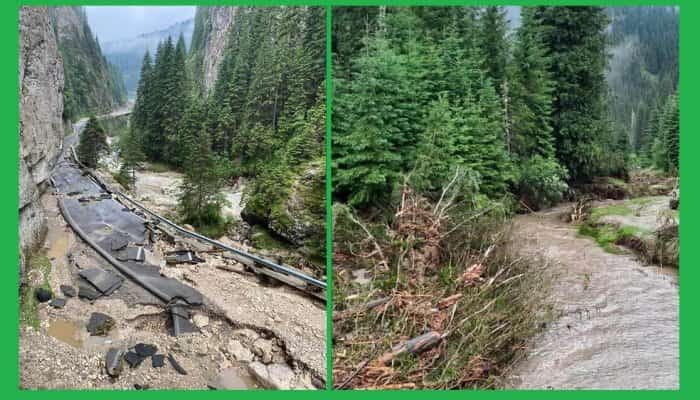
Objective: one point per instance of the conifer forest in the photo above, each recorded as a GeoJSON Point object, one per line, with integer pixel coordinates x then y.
{"type": "Point", "coordinates": [488, 162]}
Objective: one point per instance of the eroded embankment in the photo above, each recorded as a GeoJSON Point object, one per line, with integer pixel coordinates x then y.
{"type": "Point", "coordinates": [617, 320]}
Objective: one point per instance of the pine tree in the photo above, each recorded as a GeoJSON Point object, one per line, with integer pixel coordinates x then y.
{"type": "Point", "coordinates": [493, 43]}
{"type": "Point", "coordinates": [93, 142]}
{"type": "Point", "coordinates": [530, 92]}
{"type": "Point", "coordinates": [376, 124]}
{"type": "Point", "coordinates": [131, 155]}
{"type": "Point", "coordinates": [200, 198]}
{"type": "Point", "coordinates": [575, 40]}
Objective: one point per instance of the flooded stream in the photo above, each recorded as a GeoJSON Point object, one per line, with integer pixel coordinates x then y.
{"type": "Point", "coordinates": [618, 321]}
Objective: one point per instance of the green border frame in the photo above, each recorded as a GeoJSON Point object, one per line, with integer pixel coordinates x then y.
{"type": "Point", "coordinates": [690, 122]}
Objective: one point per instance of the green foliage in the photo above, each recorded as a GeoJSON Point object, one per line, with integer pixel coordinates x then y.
{"type": "Point", "coordinates": [131, 155]}
{"type": "Point", "coordinates": [200, 199]}
{"type": "Point", "coordinates": [28, 304]}
{"type": "Point", "coordinates": [575, 40]}
{"type": "Point", "coordinates": [541, 182]}
{"type": "Point", "coordinates": [93, 142]}
{"type": "Point", "coordinates": [643, 68]}
{"type": "Point", "coordinates": [528, 95]}
{"type": "Point", "coordinates": [92, 85]}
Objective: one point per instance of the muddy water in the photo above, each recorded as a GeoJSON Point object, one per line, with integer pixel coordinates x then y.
{"type": "Point", "coordinates": [66, 331]}
{"type": "Point", "coordinates": [617, 326]}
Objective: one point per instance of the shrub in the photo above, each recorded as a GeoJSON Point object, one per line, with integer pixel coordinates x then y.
{"type": "Point", "coordinates": [541, 183]}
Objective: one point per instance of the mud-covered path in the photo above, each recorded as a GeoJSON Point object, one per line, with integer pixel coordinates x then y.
{"type": "Point", "coordinates": [617, 319]}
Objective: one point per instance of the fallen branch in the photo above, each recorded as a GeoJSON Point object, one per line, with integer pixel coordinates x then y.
{"type": "Point", "coordinates": [357, 311]}
{"type": "Point", "coordinates": [416, 345]}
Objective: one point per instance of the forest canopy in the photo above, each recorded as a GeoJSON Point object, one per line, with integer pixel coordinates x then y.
{"type": "Point", "coordinates": [529, 111]}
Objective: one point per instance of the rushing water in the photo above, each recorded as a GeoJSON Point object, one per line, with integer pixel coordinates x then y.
{"type": "Point", "coordinates": [618, 327]}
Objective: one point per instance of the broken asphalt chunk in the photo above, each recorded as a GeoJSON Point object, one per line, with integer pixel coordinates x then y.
{"type": "Point", "coordinates": [42, 295]}
{"type": "Point", "coordinates": [105, 281]}
{"type": "Point", "coordinates": [158, 360]}
{"type": "Point", "coordinates": [182, 256]}
{"type": "Point", "coordinates": [145, 350]}
{"type": "Point", "coordinates": [134, 359]}
{"type": "Point", "coordinates": [100, 324]}
{"type": "Point", "coordinates": [118, 243]}
{"type": "Point", "coordinates": [114, 362]}
{"type": "Point", "coordinates": [132, 254]}
{"type": "Point", "coordinates": [68, 291]}
{"type": "Point", "coordinates": [58, 303]}
{"type": "Point", "coordinates": [87, 291]}
{"type": "Point", "coordinates": [181, 320]}
{"type": "Point", "coordinates": [176, 365]}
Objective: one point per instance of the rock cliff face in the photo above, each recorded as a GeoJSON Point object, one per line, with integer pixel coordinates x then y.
{"type": "Point", "coordinates": [41, 84]}
{"type": "Point", "coordinates": [92, 85]}
{"type": "Point", "coordinates": [210, 39]}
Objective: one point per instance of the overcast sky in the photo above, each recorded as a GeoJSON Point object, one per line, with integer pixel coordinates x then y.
{"type": "Point", "coordinates": [111, 23]}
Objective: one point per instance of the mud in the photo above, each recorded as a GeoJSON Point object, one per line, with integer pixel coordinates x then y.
{"type": "Point", "coordinates": [616, 320]}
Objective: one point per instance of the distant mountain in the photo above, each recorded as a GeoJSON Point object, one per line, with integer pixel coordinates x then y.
{"type": "Point", "coordinates": [128, 53]}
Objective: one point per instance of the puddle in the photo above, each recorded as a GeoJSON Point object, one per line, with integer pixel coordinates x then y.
{"type": "Point", "coordinates": [66, 331]}
{"type": "Point", "coordinates": [59, 247]}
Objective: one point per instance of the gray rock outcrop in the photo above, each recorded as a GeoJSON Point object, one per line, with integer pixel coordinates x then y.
{"type": "Point", "coordinates": [41, 83]}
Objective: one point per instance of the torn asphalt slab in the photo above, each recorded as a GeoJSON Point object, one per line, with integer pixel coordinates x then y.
{"type": "Point", "coordinates": [104, 281]}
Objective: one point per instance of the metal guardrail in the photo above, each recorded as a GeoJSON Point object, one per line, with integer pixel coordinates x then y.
{"type": "Point", "coordinates": [281, 269]}
{"type": "Point", "coordinates": [275, 267]}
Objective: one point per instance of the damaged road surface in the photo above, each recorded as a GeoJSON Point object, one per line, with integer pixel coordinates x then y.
{"type": "Point", "coordinates": [154, 291]}
{"type": "Point", "coordinates": [104, 224]}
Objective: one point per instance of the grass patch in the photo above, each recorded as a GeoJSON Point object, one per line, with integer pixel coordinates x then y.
{"type": "Point", "coordinates": [607, 236]}
{"type": "Point", "coordinates": [615, 209]}
{"type": "Point", "coordinates": [28, 304]}
{"type": "Point", "coordinates": [264, 240]}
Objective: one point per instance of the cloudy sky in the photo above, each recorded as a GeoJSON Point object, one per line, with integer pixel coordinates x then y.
{"type": "Point", "coordinates": [111, 23]}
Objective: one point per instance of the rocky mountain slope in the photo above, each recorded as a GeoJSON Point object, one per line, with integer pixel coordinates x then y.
{"type": "Point", "coordinates": [209, 40]}
{"type": "Point", "coordinates": [41, 83]}
{"type": "Point", "coordinates": [93, 85]}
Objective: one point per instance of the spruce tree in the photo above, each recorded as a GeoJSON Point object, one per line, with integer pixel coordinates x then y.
{"type": "Point", "coordinates": [575, 40]}
{"type": "Point", "coordinates": [493, 43]}
{"type": "Point", "coordinates": [200, 197]}
{"type": "Point", "coordinates": [529, 94]}
{"type": "Point", "coordinates": [92, 144]}
{"type": "Point", "coordinates": [131, 156]}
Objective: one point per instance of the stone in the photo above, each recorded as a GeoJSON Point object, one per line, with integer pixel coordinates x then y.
{"type": "Point", "coordinates": [238, 351]}
{"type": "Point", "coordinates": [42, 295]}
{"type": "Point", "coordinates": [41, 87]}
{"type": "Point", "coordinates": [263, 348]}
{"type": "Point", "coordinates": [200, 320]}
{"type": "Point", "coordinates": [58, 303]}
{"type": "Point", "coordinates": [248, 334]}
{"type": "Point", "coordinates": [114, 364]}
{"type": "Point", "coordinates": [158, 360]}
{"type": "Point", "coordinates": [230, 379]}
{"type": "Point", "coordinates": [100, 324]}
{"type": "Point", "coordinates": [68, 291]}
{"type": "Point", "coordinates": [274, 376]}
